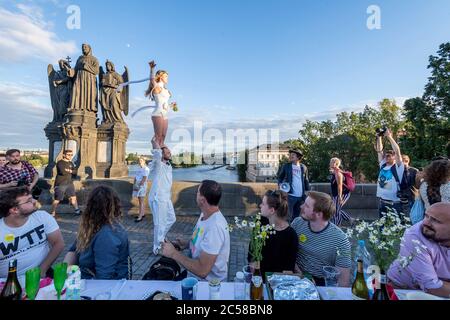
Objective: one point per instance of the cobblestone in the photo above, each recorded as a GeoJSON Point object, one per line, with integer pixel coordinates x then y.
{"type": "Point", "coordinates": [141, 240]}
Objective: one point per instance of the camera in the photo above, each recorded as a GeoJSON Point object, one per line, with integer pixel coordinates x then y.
{"type": "Point", "coordinates": [380, 131]}
{"type": "Point", "coordinates": [22, 181]}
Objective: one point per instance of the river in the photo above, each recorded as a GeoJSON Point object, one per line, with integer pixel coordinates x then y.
{"type": "Point", "coordinates": [195, 174]}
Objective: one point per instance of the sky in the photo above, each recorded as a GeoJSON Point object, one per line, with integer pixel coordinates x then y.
{"type": "Point", "coordinates": [233, 64]}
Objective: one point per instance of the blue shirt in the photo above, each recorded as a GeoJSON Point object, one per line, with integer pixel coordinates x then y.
{"type": "Point", "coordinates": [107, 254]}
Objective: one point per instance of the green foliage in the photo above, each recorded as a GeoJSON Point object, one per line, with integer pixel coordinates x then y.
{"type": "Point", "coordinates": [36, 160]}
{"type": "Point", "coordinates": [423, 125]}
{"type": "Point", "coordinates": [437, 98]}
{"type": "Point", "coordinates": [132, 158]}
{"type": "Point", "coordinates": [351, 137]}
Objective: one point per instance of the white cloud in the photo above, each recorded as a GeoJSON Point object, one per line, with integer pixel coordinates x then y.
{"type": "Point", "coordinates": [25, 110]}
{"type": "Point", "coordinates": [26, 35]}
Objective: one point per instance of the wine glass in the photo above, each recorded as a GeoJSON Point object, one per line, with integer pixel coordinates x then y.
{"type": "Point", "coordinates": [32, 280]}
{"type": "Point", "coordinates": [59, 277]}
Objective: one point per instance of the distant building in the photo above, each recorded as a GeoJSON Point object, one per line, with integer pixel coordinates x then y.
{"type": "Point", "coordinates": [263, 162]}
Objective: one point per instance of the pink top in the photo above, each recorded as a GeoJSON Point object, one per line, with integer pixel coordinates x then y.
{"type": "Point", "coordinates": [428, 269]}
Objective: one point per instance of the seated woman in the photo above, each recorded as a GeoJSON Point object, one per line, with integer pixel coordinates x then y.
{"type": "Point", "coordinates": [280, 251]}
{"type": "Point", "coordinates": [101, 249]}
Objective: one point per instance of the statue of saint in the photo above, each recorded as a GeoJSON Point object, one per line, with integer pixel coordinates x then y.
{"type": "Point", "coordinates": [113, 100]}
{"type": "Point", "coordinates": [60, 84]}
{"type": "Point", "coordinates": [84, 93]}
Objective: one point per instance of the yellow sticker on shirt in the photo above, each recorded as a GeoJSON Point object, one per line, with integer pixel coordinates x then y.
{"type": "Point", "coordinates": [9, 237]}
{"type": "Point", "coordinates": [302, 238]}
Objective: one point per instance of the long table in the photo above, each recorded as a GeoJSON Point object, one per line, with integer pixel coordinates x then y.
{"type": "Point", "coordinates": [141, 290]}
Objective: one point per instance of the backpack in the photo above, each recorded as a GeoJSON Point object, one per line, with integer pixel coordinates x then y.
{"type": "Point", "coordinates": [349, 181]}
{"type": "Point", "coordinates": [163, 269]}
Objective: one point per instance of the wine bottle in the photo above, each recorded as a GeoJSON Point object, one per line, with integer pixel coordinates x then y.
{"type": "Point", "coordinates": [256, 289]}
{"type": "Point", "coordinates": [381, 292]}
{"type": "Point", "coordinates": [359, 287]}
{"type": "Point", "coordinates": [12, 289]}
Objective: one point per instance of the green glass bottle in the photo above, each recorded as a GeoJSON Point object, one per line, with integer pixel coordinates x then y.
{"type": "Point", "coordinates": [12, 289]}
{"type": "Point", "coordinates": [359, 287]}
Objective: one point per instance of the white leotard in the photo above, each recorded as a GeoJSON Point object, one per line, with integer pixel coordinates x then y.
{"type": "Point", "coordinates": [161, 101]}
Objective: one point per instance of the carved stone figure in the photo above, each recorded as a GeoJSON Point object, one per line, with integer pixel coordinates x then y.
{"type": "Point", "coordinates": [84, 93]}
{"type": "Point", "coordinates": [60, 84]}
{"type": "Point", "coordinates": [112, 100]}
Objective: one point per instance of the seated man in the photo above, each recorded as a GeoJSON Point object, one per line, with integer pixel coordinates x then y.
{"type": "Point", "coordinates": [30, 236]}
{"type": "Point", "coordinates": [320, 242]}
{"type": "Point", "coordinates": [210, 242]}
{"type": "Point", "coordinates": [428, 270]}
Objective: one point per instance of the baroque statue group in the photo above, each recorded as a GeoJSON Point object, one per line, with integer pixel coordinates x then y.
{"type": "Point", "coordinates": [77, 89]}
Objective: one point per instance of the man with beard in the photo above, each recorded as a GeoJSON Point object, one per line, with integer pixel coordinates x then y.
{"type": "Point", "coordinates": [17, 173]}
{"type": "Point", "coordinates": [26, 234]}
{"type": "Point", "coordinates": [428, 244]}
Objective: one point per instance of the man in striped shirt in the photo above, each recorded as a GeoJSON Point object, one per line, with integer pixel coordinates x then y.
{"type": "Point", "coordinates": [320, 242]}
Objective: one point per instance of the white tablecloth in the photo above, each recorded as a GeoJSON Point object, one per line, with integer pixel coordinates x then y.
{"type": "Point", "coordinates": [140, 290]}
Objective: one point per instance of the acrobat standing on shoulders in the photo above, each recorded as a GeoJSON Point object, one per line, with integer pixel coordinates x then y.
{"type": "Point", "coordinates": [158, 92]}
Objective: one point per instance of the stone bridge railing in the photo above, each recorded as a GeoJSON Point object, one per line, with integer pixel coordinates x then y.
{"type": "Point", "coordinates": [237, 199]}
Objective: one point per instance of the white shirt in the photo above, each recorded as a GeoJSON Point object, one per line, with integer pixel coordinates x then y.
{"type": "Point", "coordinates": [141, 173]}
{"type": "Point", "coordinates": [297, 183]}
{"type": "Point", "coordinates": [212, 236]}
{"type": "Point", "coordinates": [28, 243]}
{"type": "Point", "coordinates": [387, 186]}
{"type": "Point", "coordinates": [161, 175]}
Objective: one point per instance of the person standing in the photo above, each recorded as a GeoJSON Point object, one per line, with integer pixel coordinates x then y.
{"type": "Point", "coordinates": [17, 172]}
{"type": "Point", "coordinates": [140, 187]}
{"type": "Point", "coordinates": [410, 177]}
{"type": "Point", "coordinates": [339, 192]}
{"type": "Point", "coordinates": [159, 197]}
{"type": "Point", "coordinates": [390, 175]}
{"type": "Point", "coordinates": [64, 186]}
{"type": "Point", "coordinates": [295, 174]}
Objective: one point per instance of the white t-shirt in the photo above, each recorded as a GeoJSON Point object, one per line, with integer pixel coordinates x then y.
{"type": "Point", "coordinates": [297, 184]}
{"type": "Point", "coordinates": [387, 186]}
{"type": "Point", "coordinates": [28, 243]}
{"type": "Point", "coordinates": [161, 176]}
{"type": "Point", "coordinates": [212, 236]}
{"type": "Point", "coordinates": [141, 173]}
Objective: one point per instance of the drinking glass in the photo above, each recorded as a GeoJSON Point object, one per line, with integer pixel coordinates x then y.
{"type": "Point", "coordinates": [32, 280]}
{"type": "Point", "coordinates": [59, 277]}
{"type": "Point", "coordinates": [331, 276]}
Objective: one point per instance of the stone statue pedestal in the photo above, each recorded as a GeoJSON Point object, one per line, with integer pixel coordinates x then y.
{"type": "Point", "coordinates": [53, 134]}
{"type": "Point", "coordinates": [111, 143]}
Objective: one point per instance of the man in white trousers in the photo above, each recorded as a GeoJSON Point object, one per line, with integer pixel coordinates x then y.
{"type": "Point", "coordinates": [159, 197]}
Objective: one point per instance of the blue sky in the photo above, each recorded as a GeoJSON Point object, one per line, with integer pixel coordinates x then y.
{"type": "Point", "coordinates": [232, 64]}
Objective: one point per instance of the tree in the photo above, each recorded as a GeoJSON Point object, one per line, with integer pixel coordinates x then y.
{"type": "Point", "coordinates": [437, 96]}
{"type": "Point", "coordinates": [351, 138]}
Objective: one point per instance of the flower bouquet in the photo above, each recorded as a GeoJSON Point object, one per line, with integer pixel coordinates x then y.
{"type": "Point", "coordinates": [258, 234]}
{"type": "Point", "coordinates": [384, 237]}
{"type": "Point", "coordinates": [174, 106]}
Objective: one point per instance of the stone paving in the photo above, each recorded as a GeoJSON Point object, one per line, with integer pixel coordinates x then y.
{"type": "Point", "coordinates": [141, 239]}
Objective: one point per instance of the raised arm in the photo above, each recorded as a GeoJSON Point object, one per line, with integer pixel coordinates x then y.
{"type": "Point", "coordinates": [379, 148]}
{"type": "Point", "coordinates": [395, 146]}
